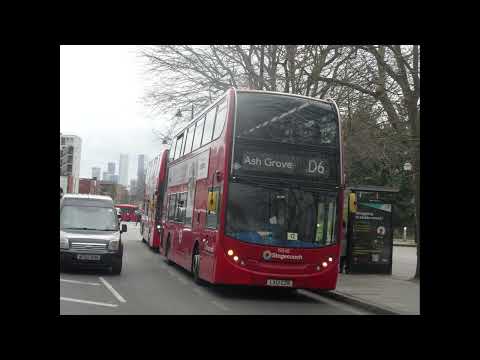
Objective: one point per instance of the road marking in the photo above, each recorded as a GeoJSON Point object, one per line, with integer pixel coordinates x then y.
{"type": "Point", "coordinates": [198, 291]}
{"type": "Point", "coordinates": [112, 290]}
{"type": "Point", "coordinates": [182, 280]}
{"type": "Point", "coordinates": [170, 272]}
{"type": "Point", "coordinates": [88, 302]}
{"type": "Point", "coordinates": [79, 282]}
{"type": "Point", "coordinates": [331, 302]}
{"type": "Point", "coordinates": [221, 306]}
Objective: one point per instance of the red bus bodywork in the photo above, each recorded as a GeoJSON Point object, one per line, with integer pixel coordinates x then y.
{"type": "Point", "coordinates": [216, 265]}
{"type": "Point", "coordinates": [127, 211]}
{"type": "Point", "coordinates": [153, 204]}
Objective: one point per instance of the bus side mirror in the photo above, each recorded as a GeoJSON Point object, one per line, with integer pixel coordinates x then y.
{"type": "Point", "coordinates": [124, 228]}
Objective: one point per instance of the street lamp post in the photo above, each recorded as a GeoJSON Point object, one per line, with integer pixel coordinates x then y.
{"type": "Point", "coordinates": [179, 112]}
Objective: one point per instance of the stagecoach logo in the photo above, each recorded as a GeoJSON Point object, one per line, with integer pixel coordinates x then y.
{"type": "Point", "coordinates": [268, 255]}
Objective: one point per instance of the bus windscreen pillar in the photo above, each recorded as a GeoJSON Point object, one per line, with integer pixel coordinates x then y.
{"type": "Point", "coordinates": [370, 231]}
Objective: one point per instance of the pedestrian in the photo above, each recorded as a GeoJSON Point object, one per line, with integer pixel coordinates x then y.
{"type": "Point", "coordinates": [343, 248]}
{"type": "Point", "coordinates": [139, 217]}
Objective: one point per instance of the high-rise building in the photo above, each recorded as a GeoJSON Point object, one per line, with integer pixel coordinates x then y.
{"type": "Point", "coordinates": [140, 177]}
{"type": "Point", "coordinates": [111, 168]}
{"type": "Point", "coordinates": [96, 173]}
{"type": "Point", "coordinates": [107, 176]}
{"type": "Point", "coordinates": [114, 178]}
{"type": "Point", "coordinates": [123, 169]}
{"type": "Point", "coordinates": [70, 153]}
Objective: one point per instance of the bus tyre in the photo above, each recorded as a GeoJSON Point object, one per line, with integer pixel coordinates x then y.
{"type": "Point", "coordinates": [116, 266]}
{"type": "Point", "coordinates": [167, 250]}
{"type": "Point", "coordinates": [196, 266]}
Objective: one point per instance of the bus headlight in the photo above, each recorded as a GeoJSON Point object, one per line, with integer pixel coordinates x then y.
{"type": "Point", "coordinates": [330, 259]}
{"type": "Point", "coordinates": [64, 242]}
{"type": "Point", "coordinates": [235, 258]}
{"type": "Point", "coordinates": [324, 264]}
{"type": "Point", "coordinates": [159, 227]}
{"type": "Point", "coordinates": [114, 244]}
{"type": "Point", "coordinates": [230, 252]}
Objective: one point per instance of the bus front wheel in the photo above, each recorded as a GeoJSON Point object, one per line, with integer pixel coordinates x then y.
{"type": "Point", "coordinates": [167, 250]}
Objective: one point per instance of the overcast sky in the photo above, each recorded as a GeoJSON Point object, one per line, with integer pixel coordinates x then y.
{"type": "Point", "coordinates": [100, 91]}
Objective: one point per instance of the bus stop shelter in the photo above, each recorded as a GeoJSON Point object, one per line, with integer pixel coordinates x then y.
{"type": "Point", "coordinates": [370, 231]}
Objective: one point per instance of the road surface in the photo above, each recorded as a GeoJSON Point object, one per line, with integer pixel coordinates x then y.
{"type": "Point", "coordinates": [148, 286]}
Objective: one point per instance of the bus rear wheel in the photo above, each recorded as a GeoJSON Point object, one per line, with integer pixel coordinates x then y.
{"type": "Point", "coordinates": [196, 266]}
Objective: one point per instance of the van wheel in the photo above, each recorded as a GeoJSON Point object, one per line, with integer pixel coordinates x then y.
{"type": "Point", "coordinates": [196, 266]}
{"type": "Point", "coordinates": [167, 250]}
{"type": "Point", "coordinates": [116, 266]}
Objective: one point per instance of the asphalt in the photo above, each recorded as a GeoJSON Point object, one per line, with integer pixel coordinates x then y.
{"type": "Point", "coordinates": [148, 286]}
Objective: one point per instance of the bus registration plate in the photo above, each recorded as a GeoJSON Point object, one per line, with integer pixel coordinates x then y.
{"type": "Point", "coordinates": [88, 257]}
{"type": "Point", "coordinates": [275, 282]}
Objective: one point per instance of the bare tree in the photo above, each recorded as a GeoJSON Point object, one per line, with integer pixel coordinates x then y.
{"type": "Point", "coordinates": [387, 78]}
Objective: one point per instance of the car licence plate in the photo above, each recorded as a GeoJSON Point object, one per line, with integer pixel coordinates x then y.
{"type": "Point", "coordinates": [275, 282]}
{"type": "Point", "coordinates": [88, 257]}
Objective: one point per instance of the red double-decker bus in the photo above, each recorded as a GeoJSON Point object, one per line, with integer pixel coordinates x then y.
{"type": "Point", "coordinates": [155, 181]}
{"type": "Point", "coordinates": [254, 193]}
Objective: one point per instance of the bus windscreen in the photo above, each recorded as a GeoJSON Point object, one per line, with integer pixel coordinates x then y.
{"type": "Point", "coordinates": [285, 119]}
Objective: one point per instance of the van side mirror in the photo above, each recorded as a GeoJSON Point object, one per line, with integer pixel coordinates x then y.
{"type": "Point", "coordinates": [124, 228]}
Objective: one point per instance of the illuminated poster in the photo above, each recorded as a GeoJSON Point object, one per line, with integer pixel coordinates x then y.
{"type": "Point", "coordinates": [371, 237]}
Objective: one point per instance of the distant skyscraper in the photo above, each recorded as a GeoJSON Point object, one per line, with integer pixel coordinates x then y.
{"type": "Point", "coordinates": [107, 176]}
{"type": "Point", "coordinates": [114, 178]}
{"type": "Point", "coordinates": [123, 170]}
{"type": "Point", "coordinates": [140, 177]}
{"type": "Point", "coordinates": [96, 171]}
{"type": "Point", "coordinates": [70, 152]}
{"type": "Point", "coordinates": [111, 168]}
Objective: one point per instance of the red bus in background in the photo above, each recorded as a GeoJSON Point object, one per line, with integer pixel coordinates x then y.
{"type": "Point", "coordinates": [127, 211]}
{"type": "Point", "coordinates": [254, 192]}
{"type": "Point", "coordinates": [153, 202]}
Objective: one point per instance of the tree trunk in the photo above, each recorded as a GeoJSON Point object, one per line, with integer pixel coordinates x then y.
{"type": "Point", "coordinates": [414, 117]}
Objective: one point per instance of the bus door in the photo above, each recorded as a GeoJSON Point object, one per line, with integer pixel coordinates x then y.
{"type": "Point", "coordinates": [210, 231]}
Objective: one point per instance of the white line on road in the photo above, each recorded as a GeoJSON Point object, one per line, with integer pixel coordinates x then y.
{"type": "Point", "coordinates": [221, 306]}
{"type": "Point", "coordinates": [182, 280]}
{"type": "Point", "coordinates": [112, 290]}
{"type": "Point", "coordinates": [170, 272]}
{"type": "Point", "coordinates": [330, 302]}
{"type": "Point", "coordinates": [198, 291]}
{"type": "Point", "coordinates": [79, 282]}
{"type": "Point", "coordinates": [87, 302]}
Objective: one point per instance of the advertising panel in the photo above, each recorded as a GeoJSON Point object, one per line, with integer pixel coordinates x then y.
{"type": "Point", "coordinates": [371, 238]}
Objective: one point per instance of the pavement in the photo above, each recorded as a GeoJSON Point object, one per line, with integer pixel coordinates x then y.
{"type": "Point", "coordinates": [396, 294]}
{"type": "Point", "coordinates": [148, 286]}
{"type": "Point", "coordinates": [401, 242]}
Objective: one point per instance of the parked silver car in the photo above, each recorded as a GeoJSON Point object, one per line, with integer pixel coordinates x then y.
{"type": "Point", "coordinates": [90, 233]}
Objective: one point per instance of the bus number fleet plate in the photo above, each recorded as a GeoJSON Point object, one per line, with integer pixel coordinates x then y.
{"type": "Point", "coordinates": [275, 282]}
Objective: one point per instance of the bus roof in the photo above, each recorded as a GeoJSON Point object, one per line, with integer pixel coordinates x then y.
{"type": "Point", "coordinates": [214, 103]}
{"type": "Point", "coordinates": [87, 197]}
{"type": "Point", "coordinates": [328, 101]}
{"type": "Point", "coordinates": [126, 206]}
